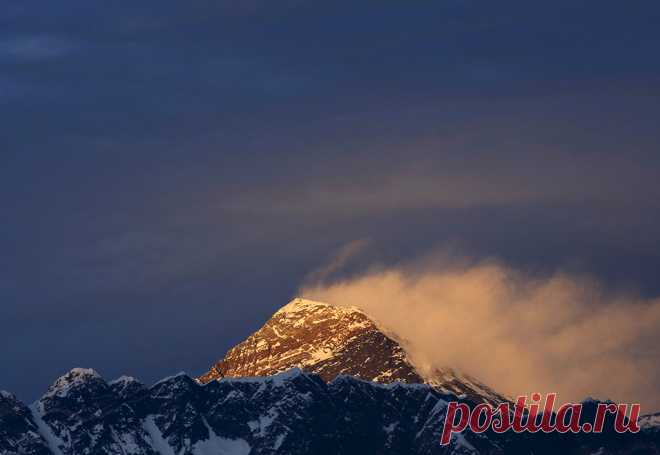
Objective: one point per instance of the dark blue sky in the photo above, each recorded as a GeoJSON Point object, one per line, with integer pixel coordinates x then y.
{"type": "Point", "coordinates": [171, 171]}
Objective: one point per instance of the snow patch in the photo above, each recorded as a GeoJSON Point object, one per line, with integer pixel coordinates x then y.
{"type": "Point", "coordinates": [263, 423]}
{"type": "Point", "coordinates": [127, 443]}
{"type": "Point", "coordinates": [276, 380]}
{"type": "Point", "coordinates": [649, 421]}
{"type": "Point", "coordinates": [298, 305]}
{"type": "Point", "coordinates": [215, 445]}
{"type": "Point", "coordinates": [461, 443]}
{"type": "Point", "coordinates": [321, 354]}
{"type": "Point", "coordinates": [279, 441]}
{"type": "Point", "coordinates": [123, 380]}
{"type": "Point", "coordinates": [54, 443]}
{"type": "Point", "coordinates": [169, 378]}
{"type": "Point", "coordinates": [159, 444]}
{"type": "Point", "coordinates": [391, 427]}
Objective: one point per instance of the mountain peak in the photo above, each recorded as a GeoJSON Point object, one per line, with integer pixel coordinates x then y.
{"type": "Point", "coordinates": [332, 340]}
{"type": "Point", "coordinates": [298, 304]}
{"type": "Point", "coordinates": [5, 394]}
{"type": "Point", "coordinates": [77, 375]}
{"type": "Point", "coordinates": [80, 373]}
{"type": "Point", "coordinates": [301, 305]}
{"type": "Point", "coordinates": [74, 378]}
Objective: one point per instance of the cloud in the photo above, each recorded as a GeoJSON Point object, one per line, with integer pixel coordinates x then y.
{"type": "Point", "coordinates": [513, 162]}
{"type": "Point", "coordinates": [516, 332]}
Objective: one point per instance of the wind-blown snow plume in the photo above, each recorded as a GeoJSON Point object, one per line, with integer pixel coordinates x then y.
{"type": "Point", "coordinates": [338, 261]}
{"type": "Point", "coordinates": [516, 332]}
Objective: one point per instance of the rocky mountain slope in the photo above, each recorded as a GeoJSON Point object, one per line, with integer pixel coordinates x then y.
{"type": "Point", "coordinates": [330, 341]}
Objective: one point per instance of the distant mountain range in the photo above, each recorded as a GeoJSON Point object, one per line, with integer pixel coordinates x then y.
{"type": "Point", "coordinates": [315, 379]}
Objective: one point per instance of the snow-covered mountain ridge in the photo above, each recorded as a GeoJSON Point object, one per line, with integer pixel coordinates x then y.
{"type": "Point", "coordinates": [289, 413]}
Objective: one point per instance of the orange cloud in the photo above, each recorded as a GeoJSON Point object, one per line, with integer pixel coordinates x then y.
{"type": "Point", "coordinates": [515, 332]}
